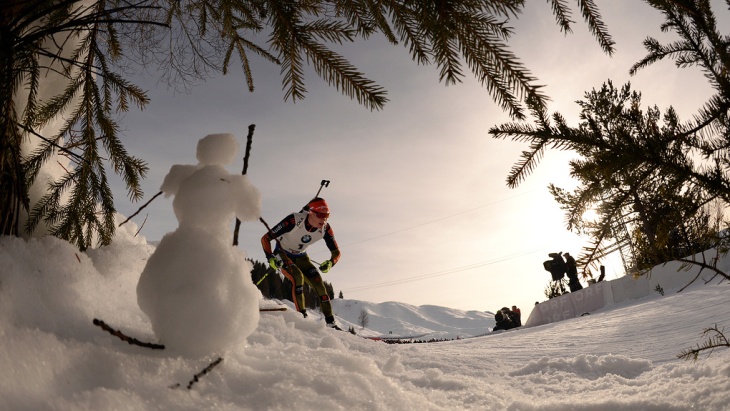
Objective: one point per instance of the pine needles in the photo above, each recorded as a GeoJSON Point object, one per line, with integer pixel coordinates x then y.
{"type": "Point", "coordinates": [715, 339]}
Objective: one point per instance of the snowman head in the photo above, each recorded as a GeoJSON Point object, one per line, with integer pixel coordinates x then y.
{"type": "Point", "coordinates": [217, 149]}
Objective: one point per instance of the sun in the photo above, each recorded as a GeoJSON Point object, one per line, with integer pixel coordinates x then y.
{"type": "Point", "coordinates": [590, 215]}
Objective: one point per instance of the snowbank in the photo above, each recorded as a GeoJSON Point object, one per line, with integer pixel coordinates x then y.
{"type": "Point", "coordinates": [671, 277]}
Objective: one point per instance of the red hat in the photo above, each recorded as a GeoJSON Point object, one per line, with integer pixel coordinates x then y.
{"type": "Point", "coordinates": [318, 205]}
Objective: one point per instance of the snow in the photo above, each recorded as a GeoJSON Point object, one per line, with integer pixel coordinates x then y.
{"type": "Point", "coordinates": [620, 357]}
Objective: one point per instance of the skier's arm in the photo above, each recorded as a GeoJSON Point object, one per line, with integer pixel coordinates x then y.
{"type": "Point", "coordinates": [329, 239]}
{"type": "Point", "coordinates": [284, 226]}
{"type": "Point", "coordinates": [266, 245]}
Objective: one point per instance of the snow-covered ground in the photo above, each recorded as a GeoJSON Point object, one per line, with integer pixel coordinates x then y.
{"type": "Point", "coordinates": [621, 357]}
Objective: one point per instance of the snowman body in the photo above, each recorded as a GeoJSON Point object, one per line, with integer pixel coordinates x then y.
{"type": "Point", "coordinates": [196, 288]}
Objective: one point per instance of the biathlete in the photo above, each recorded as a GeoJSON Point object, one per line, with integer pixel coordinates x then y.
{"type": "Point", "coordinates": [293, 235]}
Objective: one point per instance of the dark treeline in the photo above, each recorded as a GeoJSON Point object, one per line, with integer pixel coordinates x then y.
{"type": "Point", "coordinates": [432, 340]}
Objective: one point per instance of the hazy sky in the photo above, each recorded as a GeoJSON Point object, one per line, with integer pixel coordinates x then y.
{"type": "Point", "coordinates": [419, 203]}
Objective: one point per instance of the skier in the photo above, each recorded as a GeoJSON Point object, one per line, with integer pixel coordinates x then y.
{"type": "Point", "coordinates": [572, 272]}
{"type": "Point", "coordinates": [293, 235]}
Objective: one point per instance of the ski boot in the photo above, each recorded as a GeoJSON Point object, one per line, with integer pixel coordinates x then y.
{"type": "Point", "coordinates": [331, 323]}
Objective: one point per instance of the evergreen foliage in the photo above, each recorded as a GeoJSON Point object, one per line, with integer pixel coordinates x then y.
{"type": "Point", "coordinates": [94, 43]}
{"type": "Point", "coordinates": [555, 289]}
{"type": "Point", "coordinates": [715, 339]}
{"type": "Point", "coordinates": [642, 168]}
{"type": "Point", "coordinates": [32, 44]}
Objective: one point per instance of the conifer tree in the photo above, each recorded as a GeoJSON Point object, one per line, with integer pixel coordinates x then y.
{"type": "Point", "coordinates": [632, 160]}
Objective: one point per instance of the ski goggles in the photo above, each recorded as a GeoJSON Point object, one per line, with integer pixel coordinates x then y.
{"type": "Point", "coordinates": [321, 215]}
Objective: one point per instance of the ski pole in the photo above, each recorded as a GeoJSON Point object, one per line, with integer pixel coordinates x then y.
{"type": "Point", "coordinates": [278, 270]}
{"type": "Point", "coordinates": [262, 278]}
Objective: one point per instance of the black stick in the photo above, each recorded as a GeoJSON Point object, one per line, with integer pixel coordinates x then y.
{"type": "Point", "coordinates": [140, 209]}
{"type": "Point", "coordinates": [129, 340]}
{"type": "Point", "coordinates": [249, 141]}
{"type": "Point", "coordinates": [197, 376]}
{"type": "Point", "coordinates": [141, 226]}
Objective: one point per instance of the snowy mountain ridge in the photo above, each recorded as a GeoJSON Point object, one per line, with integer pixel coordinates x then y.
{"type": "Point", "coordinates": [400, 320]}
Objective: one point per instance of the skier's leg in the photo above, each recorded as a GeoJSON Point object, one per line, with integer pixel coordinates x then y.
{"type": "Point", "coordinates": [294, 274]}
{"type": "Point", "coordinates": [314, 279]}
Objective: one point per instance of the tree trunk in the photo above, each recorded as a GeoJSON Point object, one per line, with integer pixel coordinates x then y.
{"type": "Point", "coordinates": [13, 189]}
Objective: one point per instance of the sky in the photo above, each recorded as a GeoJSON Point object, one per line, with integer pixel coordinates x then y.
{"type": "Point", "coordinates": [419, 203]}
{"type": "Point", "coordinates": [622, 357]}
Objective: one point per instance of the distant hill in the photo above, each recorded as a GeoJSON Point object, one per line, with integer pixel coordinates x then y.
{"type": "Point", "coordinates": [400, 320]}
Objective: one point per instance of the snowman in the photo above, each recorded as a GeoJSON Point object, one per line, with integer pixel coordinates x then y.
{"type": "Point", "coordinates": [196, 288]}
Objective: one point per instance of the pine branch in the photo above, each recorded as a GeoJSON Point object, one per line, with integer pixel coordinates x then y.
{"type": "Point", "coordinates": [125, 338]}
{"type": "Point", "coordinates": [713, 341]}
{"type": "Point", "coordinates": [562, 13]}
{"type": "Point", "coordinates": [691, 262]}
{"type": "Point", "coordinates": [596, 25]}
{"type": "Point", "coordinates": [403, 22]}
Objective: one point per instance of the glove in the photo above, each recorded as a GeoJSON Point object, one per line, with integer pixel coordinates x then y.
{"type": "Point", "coordinates": [325, 266]}
{"type": "Point", "coordinates": [274, 263]}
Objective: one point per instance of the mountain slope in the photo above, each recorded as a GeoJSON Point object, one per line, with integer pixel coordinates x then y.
{"type": "Point", "coordinates": [400, 320]}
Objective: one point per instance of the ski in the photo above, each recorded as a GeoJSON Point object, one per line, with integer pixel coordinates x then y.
{"type": "Point", "coordinates": [334, 327]}
{"type": "Point", "coordinates": [272, 309]}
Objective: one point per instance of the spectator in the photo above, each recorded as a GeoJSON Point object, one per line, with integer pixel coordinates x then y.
{"type": "Point", "coordinates": [517, 316]}
{"type": "Point", "coordinates": [504, 319]}
{"type": "Point", "coordinates": [572, 271]}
